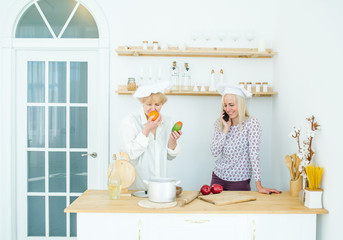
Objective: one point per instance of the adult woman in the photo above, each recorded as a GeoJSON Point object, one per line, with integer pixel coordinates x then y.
{"type": "Point", "coordinates": [149, 142]}
{"type": "Point", "coordinates": [236, 142]}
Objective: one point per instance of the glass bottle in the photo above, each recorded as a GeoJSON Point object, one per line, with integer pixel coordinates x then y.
{"type": "Point", "coordinates": [221, 76]}
{"type": "Point", "coordinates": [212, 87]}
{"type": "Point", "coordinates": [174, 75]}
{"type": "Point", "coordinates": [186, 78]}
{"type": "Point", "coordinates": [113, 181]}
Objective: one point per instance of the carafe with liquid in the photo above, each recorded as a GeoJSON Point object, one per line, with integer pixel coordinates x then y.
{"type": "Point", "coordinates": [113, 181]}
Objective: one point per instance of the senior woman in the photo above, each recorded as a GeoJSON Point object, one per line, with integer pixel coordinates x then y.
{"type": "Point", "coordinates": [149, 143]}
{"type": "Point", "coordinates": [236, 143]}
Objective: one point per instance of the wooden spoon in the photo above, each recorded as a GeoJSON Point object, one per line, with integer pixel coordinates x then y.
{"type": "Point", "coordinates": [289, 164]}
{"type": "Point", "coordinates": [297, 161]}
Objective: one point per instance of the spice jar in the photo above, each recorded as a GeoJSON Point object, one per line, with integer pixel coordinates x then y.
{"type": "Point", "coordinates": [155, 45]}
{"type": "Point", "coordinates": [257, 87]}
{"type": "Point", "coordinates": [265, 86]}
{"type": "Point", "coordinates": [241, 84]}
{"type": "Point", "coordinates": [131, 84]}
{"type": "Point", "coordinates": [249, 86]}
{"type": "Point", "coordinates": [145, 45]}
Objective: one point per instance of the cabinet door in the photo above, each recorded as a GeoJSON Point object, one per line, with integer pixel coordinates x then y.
{"type": "Point", "coordinates": [282, 226]}
{"type": "Point", "coordinates": [189, 226]}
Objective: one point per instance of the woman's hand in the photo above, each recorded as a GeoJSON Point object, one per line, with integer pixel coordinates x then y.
{"type": "Point", "coordinates": [265, 190]}
{"type": "Point", "coordinates": [226, 124]}
{"type": "Point", "coordinates": [151, 125]}
{"type": "Point", "coordinates": [174, 136]}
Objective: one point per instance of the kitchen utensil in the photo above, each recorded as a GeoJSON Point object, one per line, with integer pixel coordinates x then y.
{"type": "Point", "coordinates": [296, 161]}
{"type": "Point", "coordinates": [142, 194]}
{"type": "Point", "coordinates": [226, 197]}
{"type": "Point", "coordinates": [187, 198]}
{"type": "Point", "coordinates": [161, 190]}
{"type": "Point", "coordinates": [126, 171]}
{"type": "Point", "coordinates": [148, 204]}
{"type": "Point", "coordinates": [289, 164]}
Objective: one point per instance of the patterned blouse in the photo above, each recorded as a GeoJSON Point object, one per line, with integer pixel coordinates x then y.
{"type": "Point", "coordinates": [238, 151]}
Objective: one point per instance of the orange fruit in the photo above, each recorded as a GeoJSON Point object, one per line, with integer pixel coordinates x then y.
{"type": "Point", "coordinates": [155, 114]}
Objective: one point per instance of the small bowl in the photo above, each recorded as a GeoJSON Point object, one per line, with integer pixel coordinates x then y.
{"type": "Point", "coordinates": [178, 190]}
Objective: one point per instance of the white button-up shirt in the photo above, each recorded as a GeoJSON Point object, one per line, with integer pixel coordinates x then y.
{"type": "Point", "coordinates": [148, 154]}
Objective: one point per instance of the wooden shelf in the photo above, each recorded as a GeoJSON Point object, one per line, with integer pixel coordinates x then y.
{"type": "Point", "coordinates": [195, 52]}
{"type": "Point", "coordinates": [122, 90]}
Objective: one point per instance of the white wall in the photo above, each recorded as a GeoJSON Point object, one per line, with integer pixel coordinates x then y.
{"type": "Point", "coordinates": [307, 73]}
{"type": "Point", "coordinates": [309, 78]}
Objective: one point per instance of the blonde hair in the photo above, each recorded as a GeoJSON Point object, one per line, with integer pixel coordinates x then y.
{"type": "Point", "coordinates": [243, 113]}
{"type": "Point", "coordinates": [161, 98]}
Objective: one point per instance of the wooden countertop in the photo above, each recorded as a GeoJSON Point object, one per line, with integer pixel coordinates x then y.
{"type": "Point", "coordinates": [98, 201]}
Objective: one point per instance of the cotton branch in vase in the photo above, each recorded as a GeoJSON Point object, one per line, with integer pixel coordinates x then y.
{"type": "Point", "coordinates": [305, 150]}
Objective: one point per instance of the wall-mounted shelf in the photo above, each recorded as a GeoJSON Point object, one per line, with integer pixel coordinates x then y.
{"type": "Point", "coordinates": [122, 90]}
{"type": "Point", "coordinates": [195, 52]}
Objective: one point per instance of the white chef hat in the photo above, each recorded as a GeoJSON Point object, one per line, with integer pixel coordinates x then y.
{"type": "Point", "coordinates": [148, 89]}
{"type": "Point", "coordinates": [230, 89]}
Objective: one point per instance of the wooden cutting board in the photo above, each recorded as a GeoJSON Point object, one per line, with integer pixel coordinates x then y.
{"type": "Point", "coordinates": [226, 197]}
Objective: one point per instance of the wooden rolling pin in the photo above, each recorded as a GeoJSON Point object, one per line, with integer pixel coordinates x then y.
{"type": "Point", "coordinates": [187, 198]}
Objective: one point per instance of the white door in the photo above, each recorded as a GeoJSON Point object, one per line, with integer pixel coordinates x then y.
{"type": "Point", "coordinates": [61, 117]}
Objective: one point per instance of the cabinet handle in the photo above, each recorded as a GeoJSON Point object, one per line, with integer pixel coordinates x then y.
{"type": "Point", "coordinates": [253, 229]}
{"type": "Point", "coordinates": [197, 221]}
{"type": "Point", "coordinates": [139, 229]}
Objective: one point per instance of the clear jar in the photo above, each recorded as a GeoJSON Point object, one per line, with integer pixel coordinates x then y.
{"type": "Point", "coordinates": [241, 84]}
{"type": "Point", "coordinates": [131, 84]}
{"type": "Point", "coordinates": [257, 87]}
{"type": "Point", "coordinates": [265, 86]}
{"type": "Point", "coordinates": [155, 45]}
{"type": "Point", "coordinates": [249, 84]}
{"type": "Point", "coordinates": [145, 45]}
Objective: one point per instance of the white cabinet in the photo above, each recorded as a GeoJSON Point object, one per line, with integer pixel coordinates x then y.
{"type": "Point", "coordinates": [134, 226]}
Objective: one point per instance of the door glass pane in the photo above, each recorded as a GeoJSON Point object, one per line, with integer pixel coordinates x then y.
{"type": "Point", "coordinates": [57, 217]}
{"type": "Point", "coordinates": [35, 171]}
{"type": "Point", "coordinates": [57, 82]}
{"type": "Point", "coordinates": [57, 12]}
{"type": "Point", "coordinates": [35, 126]}
{"type": "Point", "coordinates": [82, 25]}
{"type": "Point", "coordinates": [36, 216]}
{"type": "Point", "coordinates": [72, 220]}
{"type": "Point", "coordinates": [36, 82]}
{"type": "Point", "coordinates": [78, 127]}
{"type": "Point", "coordinates": [78, 82]}
{"type": "Point", "coordinates": [57, 127]}
{"type": "Point", "coordinates": [57, 171]}
{"type": "Point", "coordinates": [78, 172]}
{"type": "Point", "coordinates": [31, 25]}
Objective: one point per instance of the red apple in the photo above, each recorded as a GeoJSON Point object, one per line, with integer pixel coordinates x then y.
{"type": "Point", "coordinates": [216, 188]}
{"type": "Point", "coordinates": [205, 190]}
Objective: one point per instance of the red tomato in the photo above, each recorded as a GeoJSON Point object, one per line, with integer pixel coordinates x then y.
{"type": "Point", "coordinates": [155, 114]}
{"type": "Point", "coordinates": [216, 188]}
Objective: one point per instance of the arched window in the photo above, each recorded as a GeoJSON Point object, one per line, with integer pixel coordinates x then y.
{"type": "Point", "coordinates": [57, 19]}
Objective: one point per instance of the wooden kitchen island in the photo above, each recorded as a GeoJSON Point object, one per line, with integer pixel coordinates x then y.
{"type": "Point", "coordinates": [276, 216]}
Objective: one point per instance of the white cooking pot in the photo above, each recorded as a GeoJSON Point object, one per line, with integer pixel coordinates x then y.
{"type": "Point", "coordinates": [161, 190]}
